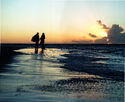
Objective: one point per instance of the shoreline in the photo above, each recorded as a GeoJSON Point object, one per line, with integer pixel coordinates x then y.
{"type": "Point", "coordinates": [6, 54]}
{"type": "Point", "coordinates": [43, 78]}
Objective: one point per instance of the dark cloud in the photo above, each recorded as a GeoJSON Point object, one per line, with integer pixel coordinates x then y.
{"type": "Point", "coordinates": [102, 41]}
{"type": "Point", "coordinates": [82, 41]}
{"type": "Point", "coordinates": [92, 35]}
{"type": "Point", "coordinates": [103, 25]}
{"type": "Point", "coordinates": [116, 34]}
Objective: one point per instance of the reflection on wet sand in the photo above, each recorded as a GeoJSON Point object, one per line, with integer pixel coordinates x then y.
{"type": "Point", "coordinates": [79, 88]}
{"type": "Point", "coordinates": [41, 75]}
{"type": "Point", "coordinates": [49, 51]}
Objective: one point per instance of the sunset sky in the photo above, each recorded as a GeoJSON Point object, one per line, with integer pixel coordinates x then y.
{"type": "Point", "coordinates": [63, 21]}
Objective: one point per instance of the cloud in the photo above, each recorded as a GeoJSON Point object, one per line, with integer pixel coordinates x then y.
{"type": "Point", "coordinates": [103, 25]}
{"type": "Point", "coordinates": [82, 41]}
{"type": "Point", "coordinates": [92, 35]}
{"type": "Point", "coordinates": [101, 41]}
{"type": "Point", "coordinates": [116, 34]}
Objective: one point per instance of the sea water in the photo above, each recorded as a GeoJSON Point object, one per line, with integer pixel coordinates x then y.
{"type": "Point", "coordinates": [65, 73]}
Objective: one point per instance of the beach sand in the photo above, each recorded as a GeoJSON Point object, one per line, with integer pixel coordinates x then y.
{"type": "Point", "coordinates": [43, 77]}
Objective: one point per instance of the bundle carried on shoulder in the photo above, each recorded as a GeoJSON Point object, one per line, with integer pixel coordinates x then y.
{"type": "Point", "coordinates": [34, 38]}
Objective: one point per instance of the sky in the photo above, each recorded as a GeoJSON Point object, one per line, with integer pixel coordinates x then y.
{"type": "Point", "coordinates": [62, 21]}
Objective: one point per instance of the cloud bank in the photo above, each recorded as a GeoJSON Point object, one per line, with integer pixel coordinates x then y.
{"type": "Point", "coordinates": [115, 34]}
{"type": "Point", "coordinates": [101, 41]}
{"type": "Point", "coordinates": [82, 41]}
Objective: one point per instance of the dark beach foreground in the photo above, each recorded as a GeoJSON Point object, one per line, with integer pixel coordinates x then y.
{"type": "Point", "coordinates": [63, 73]}
{"type": "Point", "coordinates": [7, 52]}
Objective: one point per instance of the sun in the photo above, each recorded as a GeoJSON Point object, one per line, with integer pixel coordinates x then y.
{"type": "Point", "coordinates": [102, 33]}
{"type": "Point", "coordinates": [98, 31]}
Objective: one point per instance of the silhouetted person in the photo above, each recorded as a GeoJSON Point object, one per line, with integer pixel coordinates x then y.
{"type": "Point", "coordinates": [42, 41]}
{"type": "Point", "coordinates": [35, 39]}
{"type": "Point", "coordinates": [36, 51]}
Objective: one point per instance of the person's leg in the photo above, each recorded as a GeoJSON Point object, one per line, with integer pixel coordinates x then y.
{"type": "Point", "coordinates": [43, 47]}
{"type": "Point", "coordinates": [37, 45]}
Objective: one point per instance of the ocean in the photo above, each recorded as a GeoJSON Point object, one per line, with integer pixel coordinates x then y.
{"type": "Point", "coordinates": [64, 73]}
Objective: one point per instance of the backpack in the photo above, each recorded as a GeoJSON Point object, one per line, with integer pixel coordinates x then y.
{"type": "Point", "coordinates": [34, 38]}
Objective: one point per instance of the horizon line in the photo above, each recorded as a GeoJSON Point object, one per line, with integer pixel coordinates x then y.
{"type": "Point", "coordinates": [68, 43]}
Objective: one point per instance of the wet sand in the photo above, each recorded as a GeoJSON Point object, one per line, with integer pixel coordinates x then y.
{"type": "Point", "coordinates": [43, 77]}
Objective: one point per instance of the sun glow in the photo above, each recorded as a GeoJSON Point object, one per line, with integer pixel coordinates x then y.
{"type": "Point", "coordinates": [98, 31]}
{"type": "Point", "coordinates": [102, 33]}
